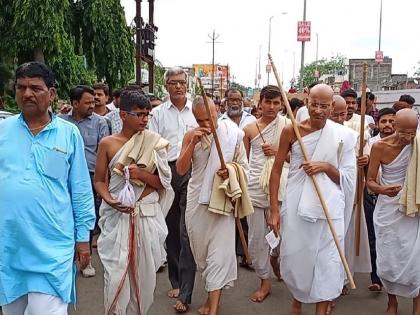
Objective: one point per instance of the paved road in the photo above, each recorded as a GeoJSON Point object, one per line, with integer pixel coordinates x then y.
{"type": "Point", "coordinates": [235, 300]}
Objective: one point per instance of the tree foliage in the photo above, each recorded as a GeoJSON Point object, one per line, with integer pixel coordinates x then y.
{"type": "Point", "coordinates": [82, 41]}
{"type": "Point", "coordinates": [107, 41]}
{"type": "Point", "coordinates": [324, 66]}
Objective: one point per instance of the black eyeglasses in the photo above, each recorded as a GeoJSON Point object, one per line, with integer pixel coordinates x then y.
{"type": "Point", "coordinates": [141, 115]}
{"type": "Point", "coordinates": [175, 82]}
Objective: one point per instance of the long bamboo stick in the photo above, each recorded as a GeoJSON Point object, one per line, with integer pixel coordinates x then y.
{"type": "Point", "coordinates": [360, 170]}
{"type": "Point", "coordinates": [315, 182]}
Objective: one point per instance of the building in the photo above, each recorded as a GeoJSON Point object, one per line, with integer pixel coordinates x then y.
{"type": "Point", "coordinates": [378, 74]}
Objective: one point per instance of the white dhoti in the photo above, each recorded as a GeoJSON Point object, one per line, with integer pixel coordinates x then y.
{"type": "Point", "coordinates": [259, 250]}
{"type": "Point", "coordinates": [310, 262]}
{"type": "Point", "coordinates": [36, 303]}
{"type": "Point", "coordinates": [397, 235]}
{"type": "Point", "coordinates": [212, 236]}
{"type": "Point", "coordinates": [130, 245]}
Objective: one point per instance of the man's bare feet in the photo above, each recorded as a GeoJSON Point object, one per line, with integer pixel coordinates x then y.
{"type": "Point", "coordinates": [391, 310]}
{"type": "Point", "coordinates": [274, 262]}
{"type": "Point", "coordinates": [345, 291]}
{"type": "Point", "coordinates": [330, 307]}
{"type": "Point", "coordinates": [296, 308]}
{"type": "Point", "coordinates": [173, 293]}
{"type": "Point", "coordinates": [392, 305]}
{"type": "Point", "coordinates": [180, 307]}
{"type": "Point", "coordinates": [263, 292]}
{"type": "Point", "coordinates": [375, 287]}
{"type": "Point", "coordinates": [204, 309]}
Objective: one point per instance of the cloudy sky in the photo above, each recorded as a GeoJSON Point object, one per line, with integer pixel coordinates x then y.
{"type": "Point", "coordinates": [347, 27]}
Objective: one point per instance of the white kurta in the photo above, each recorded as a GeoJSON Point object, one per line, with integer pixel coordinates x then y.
{"type": "Point", "coordinates": [310, 263]}
{"type": "Point", "coordinates": [397, 235]}
{"type": "Point", "coordinates": [125, 279]}
{"type": "Point", "coordinates": [259, 250]}
{"type": "Point", "coordinates": [212, 236]}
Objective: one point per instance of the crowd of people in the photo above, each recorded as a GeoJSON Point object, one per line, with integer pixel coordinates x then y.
{"type": "Point", "coordinates": [195, 184]}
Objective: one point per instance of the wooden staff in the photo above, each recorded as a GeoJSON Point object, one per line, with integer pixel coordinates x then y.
{"type": "Point", "coordinates": [315, 182]}
{"type": "Point", "coordinates": [360, 170]}
{"type": "Point", "coordinates": [223, 166]}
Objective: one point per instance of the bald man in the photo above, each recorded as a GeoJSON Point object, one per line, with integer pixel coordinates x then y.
{"type": "Point", "coordinates": [310, 263]}
{"type": "Point", "coordinates": [356, 263]}
{"type": "Point", "coordinates": [339, 110]}
{"type": "Point", "coordinates": [212, 236]}
{"type": "Point", "coordinates": [397, 227]}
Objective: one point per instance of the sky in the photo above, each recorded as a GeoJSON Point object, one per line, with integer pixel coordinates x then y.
{"type": "Point", "coordinates": [350, 28]}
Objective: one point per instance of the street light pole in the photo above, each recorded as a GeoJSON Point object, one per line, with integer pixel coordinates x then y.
{"type": "Point", "coordinates": [380, 35]}
{"type": "Point", "coordinates": [269, 47]}
{"type": "Point", "coordinates": [138, 42]}
{"type": "Point", "coordinates": [302, 56]}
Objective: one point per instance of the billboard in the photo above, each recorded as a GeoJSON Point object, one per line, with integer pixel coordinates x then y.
{"type": "Point", "coordinates": [204, 72]}
{"type": "Point", "coordinates": [304, 31]}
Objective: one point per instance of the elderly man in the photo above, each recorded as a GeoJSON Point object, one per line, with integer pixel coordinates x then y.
{"type": "Point", "coordinates": [172, 120]}
{"type": "Point", "coordinates": [310, 263]}
{"type": "Point", "coordinates": [46, 201]}
{"type": "Point", "coordinates": [396, 215]}
{"type": "Point", "coordinates": [211, 229]}
{"type": "Point", "coordinates": [235, 109]}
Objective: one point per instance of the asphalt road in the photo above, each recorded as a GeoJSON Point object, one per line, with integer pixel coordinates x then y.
{"type": "Point", "coordinates": [235, 300]}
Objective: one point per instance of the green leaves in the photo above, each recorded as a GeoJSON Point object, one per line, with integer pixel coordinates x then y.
{"type": "Point", "coordinates": [82, 40]}
{"type": "Point", "coordinates": [324, 66]}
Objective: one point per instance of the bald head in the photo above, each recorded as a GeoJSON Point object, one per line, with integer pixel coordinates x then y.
{"type": "Point", "coordinates": [406, 119]}
{"type": "Point", "coordinates": [320, 104]}
{"type": "Point", "coordinates": [339, 110]}
{"type": "Point", "coordinates": [200, 112]}
{"type": "Point", "coordinates": [198, 103]}
{"type": "Point", "coordinates": [323, 90]}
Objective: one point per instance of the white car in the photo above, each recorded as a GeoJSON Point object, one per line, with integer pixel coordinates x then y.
{"type": "Point", "coordinates": [4, 115]}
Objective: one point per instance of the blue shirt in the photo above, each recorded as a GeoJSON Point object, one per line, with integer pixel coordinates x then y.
{"type": "Point", "coordinates": [92, 128]}
{"type": "Point", "coordinates": [46, 205]}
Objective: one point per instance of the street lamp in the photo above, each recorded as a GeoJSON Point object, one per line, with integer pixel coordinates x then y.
{"type": "Point", "coordinates": [269, 46]}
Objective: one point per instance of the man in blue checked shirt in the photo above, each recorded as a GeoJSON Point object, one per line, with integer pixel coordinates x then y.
{"type": "Point", "coordinates": [46, 203]}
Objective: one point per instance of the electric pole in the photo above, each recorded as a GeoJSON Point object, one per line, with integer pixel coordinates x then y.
{"type": "Point", "coordinates": [302, 56]}
{"type": "Point", "coordinates": [139, 23]}
{"type": "Point", "coordinates": [213, 38]}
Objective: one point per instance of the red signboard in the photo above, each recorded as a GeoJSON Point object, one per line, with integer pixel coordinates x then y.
{"type": "Point", "coordinates": [379, 56]}
{"type": "Point", "coordinates": [304, 31]}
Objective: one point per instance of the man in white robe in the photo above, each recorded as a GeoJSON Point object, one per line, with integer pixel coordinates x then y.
{"type": "Point", "coordinates": [360, 263]}
{"type": "Point", "coordinates": [310, 262]}
{"type": "Point", "coordinates": [132, 232]}
{"type": "Point", "coordinates": [212, 236]}
{"type": "Point", "coordinates": [261, 143]}
{"type": "Point", "coordinates": [397, 228]}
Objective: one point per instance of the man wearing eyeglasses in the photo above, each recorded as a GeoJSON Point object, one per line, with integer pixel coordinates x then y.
{"type": "Point", "coordinates": [138, 225]}
{"type": "Point", "coordinates": [172, 120]}
{"type": "Point", "coordinates": [235, 109]}
{"type": "Point", "coordinates": [92, 128]}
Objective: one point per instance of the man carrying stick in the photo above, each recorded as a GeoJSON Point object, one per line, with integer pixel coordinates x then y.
{"type": "Point", "coordinates": [361, 262]}
{"type": "Point", "coordinates": [261, 143]}
{"type": "Point", "coordinates": [211, 229]}
{"type": "Point", "coordinates": [310, 262]}
{"type": "Point", "coordinates": [396, 216]}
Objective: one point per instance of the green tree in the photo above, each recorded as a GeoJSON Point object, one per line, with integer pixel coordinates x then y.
{"type": "Point", "coordinates": [107, 40]}
{"type": "Point", "coordinates": [324, 66]}
{"type": "Point", "coordinates": [34, 30]}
